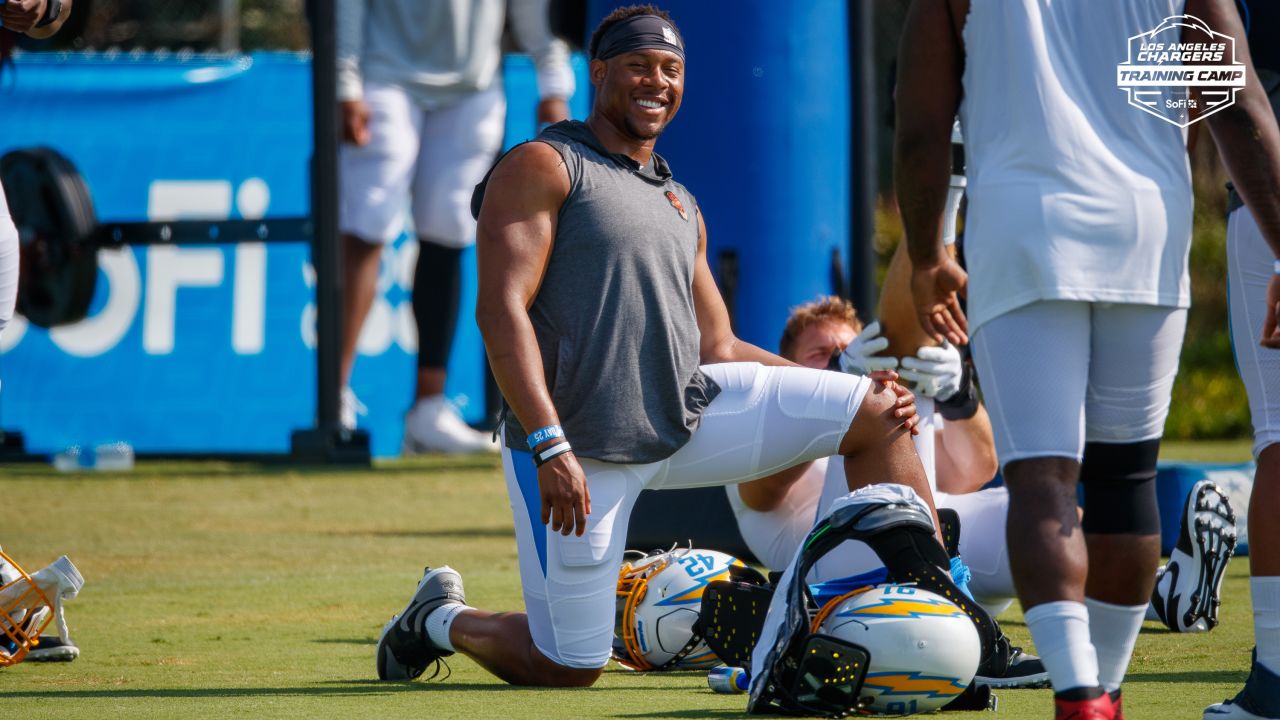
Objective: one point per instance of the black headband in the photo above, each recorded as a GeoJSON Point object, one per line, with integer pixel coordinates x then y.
{"type": "Point", "coordinates": [639, 32]}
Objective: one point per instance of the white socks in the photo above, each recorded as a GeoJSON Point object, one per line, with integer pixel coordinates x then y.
{"type": "Point", "coordinates": [437, 625]}
{"type": "Point", "coordinates": [1266, 619]}
{"type": "Point", "coordinates": [1113, 630]}
{"type": "Point", "coordinates": [1061, 634]}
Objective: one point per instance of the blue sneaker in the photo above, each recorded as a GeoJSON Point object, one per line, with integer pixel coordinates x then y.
{"type": "Point", "coordinates": [1259, 699]}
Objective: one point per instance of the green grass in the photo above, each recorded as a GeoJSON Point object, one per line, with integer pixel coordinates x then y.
{"type": "Point", "coordinates": [218, 590]}
{"type": "Point", "coordinates": [1212, 451]}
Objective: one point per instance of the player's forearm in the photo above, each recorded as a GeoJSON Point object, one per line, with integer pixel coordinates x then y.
{"type": "Point", "coordinates": [350, 44]}
{"type": "Point", "coordinates": [921, 171]}
{"type": "Point", "coordinates": [530, 23]}
{"type": "Point", "coordinates": [966, 454]}
{"type": "Point", "coordinates": [1248, 142]}
{"type": "Point", "coordinates": [512, 348]}
{"type": "Point", "coordinates": [926, 99]}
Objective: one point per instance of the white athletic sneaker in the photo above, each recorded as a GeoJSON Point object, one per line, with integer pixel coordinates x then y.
{"type": "Point", "coordinates": [434, 425]}
{"type": "Point", "coordinates": [1186, 596]}
{"type": "Point", "coordinates": [50, 647]}
{"type": "Point", "coordinates": [349, 408]}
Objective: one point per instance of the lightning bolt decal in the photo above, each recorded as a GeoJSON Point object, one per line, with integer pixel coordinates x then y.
{"type": "Point", "coordinates": [900, 683]}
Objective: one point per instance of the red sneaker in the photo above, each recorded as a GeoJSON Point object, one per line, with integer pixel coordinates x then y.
{"type": "Point", "coordinates": [1117, 698]}
{"type": "Point", "coordinates": [1099, 708]}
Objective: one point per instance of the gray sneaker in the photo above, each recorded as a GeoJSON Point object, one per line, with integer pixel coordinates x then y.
{"type": "Point", "coordinates": [1187, 592]}
{"type": "Point", "coordinates": [404, 650]}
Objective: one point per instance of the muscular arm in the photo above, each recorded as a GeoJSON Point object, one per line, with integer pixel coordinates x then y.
{"type": "Point", "coordinates": [1248, 142]}
{"type": "Point", "coordinates": [514, 238]}
{"type": "Point", "coordinates": [719, 344]}
{"type": "Point", "coordinates": [1246, 133]}
{"type": "Point", "coordinates": [966, 458]}
{"type": "Point", "coordinates": [927, 98]}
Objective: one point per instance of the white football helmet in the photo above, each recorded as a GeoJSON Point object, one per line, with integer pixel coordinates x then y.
{"type": "Point", "coordinates": [659, 601]}
{"type": "Point", "coordinates": [924, 650]}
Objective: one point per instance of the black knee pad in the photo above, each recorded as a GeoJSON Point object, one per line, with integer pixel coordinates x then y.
{"type": "Point", "coordinates": [1119, 482]}
{"type": "Point", "coordinates": [437, 293]}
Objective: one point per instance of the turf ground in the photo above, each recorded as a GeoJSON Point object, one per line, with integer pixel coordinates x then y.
{"type": "Point", "coordinates": [218, 590]}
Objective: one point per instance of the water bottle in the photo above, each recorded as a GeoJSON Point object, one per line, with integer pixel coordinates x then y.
{"type": "Point", "coordinates": [113, 457]}
{"type": "Point", "coordinates": [728, 680]}
{"type": "Point", "coordinates": [108, 457]}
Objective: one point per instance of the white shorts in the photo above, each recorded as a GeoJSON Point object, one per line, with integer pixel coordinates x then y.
{"type": "Point", "coordinates": [1056, 374]}
{"type": "Point", "coordinates": [764, 419]}
{"type": "Point", "coordinates": [773, 536]}
{"type": "Point", "coordinates": [1249, 269]}
{"type": "Point", "coordinates": [438, 155]}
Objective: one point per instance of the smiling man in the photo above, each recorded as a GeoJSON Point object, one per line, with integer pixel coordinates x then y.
{"type": "Point", "coordinates": [620, 371]}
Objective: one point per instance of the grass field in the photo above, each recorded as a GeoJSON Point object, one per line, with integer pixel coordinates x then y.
{"type": "Point", "coordinates": [219, 590]}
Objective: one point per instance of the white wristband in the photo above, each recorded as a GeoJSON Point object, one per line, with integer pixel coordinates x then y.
{"type": "Point", "coordinates": [1276, 267]}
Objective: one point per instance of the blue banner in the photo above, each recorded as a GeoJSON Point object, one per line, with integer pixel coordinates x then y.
{"type": "Point", "coordinates": [207, 348]}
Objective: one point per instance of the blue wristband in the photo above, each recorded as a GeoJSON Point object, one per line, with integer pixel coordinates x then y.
{"type": "Point", "coordinates": [543, 434]}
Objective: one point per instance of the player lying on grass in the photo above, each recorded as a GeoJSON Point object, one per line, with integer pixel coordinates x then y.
{"type": "Point", "coordinates": [775, 513]}
{"type": "Point", "coordinates": [615, 356]}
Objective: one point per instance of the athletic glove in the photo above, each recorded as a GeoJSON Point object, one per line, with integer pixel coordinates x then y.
{"type": "Point", "coordinates": [951, 379]}
{"type": "Point", "coordinates": [935, 372]}
{"type": "Point", "coordinates": [860, 356]}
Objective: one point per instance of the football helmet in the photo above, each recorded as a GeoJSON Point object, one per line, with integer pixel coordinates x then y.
{"type": "Point", "coordinates": [658, 606]}
{"type": "Point", "coordinates": [25, 611]}
{"type": "Point", "coordinates": [924, 650]}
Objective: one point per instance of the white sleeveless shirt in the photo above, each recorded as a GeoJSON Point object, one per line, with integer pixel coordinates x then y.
{"type": "Point", "coordinates": [1073, 193]}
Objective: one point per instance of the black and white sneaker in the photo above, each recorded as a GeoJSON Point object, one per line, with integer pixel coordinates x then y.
{"type": "Point", "coordinates": [404, 650]}
{"type": "Point", "coordinates": [1023, 671]}
{"type": "Point", "coordinates": [1187, 592]}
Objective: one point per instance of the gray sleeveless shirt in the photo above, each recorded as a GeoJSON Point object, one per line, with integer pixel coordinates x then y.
{"type": "Point", "coordinates": [614, 316]}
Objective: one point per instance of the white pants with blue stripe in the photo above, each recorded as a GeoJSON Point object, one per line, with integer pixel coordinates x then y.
{"type": "Point", "coordinates": [765, 419]}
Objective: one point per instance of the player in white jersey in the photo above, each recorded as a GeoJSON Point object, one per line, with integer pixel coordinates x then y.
{"type": "Point", "coordinates": [1253, 230]}
{"type": "Point", "coordinates": [1079, 223]}
{"type": "Point", "coordinates": [420, 92]}
{"type": "Point", "coordinates": [775, 513]}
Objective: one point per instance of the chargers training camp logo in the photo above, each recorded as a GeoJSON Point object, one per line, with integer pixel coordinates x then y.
{"type": "Point", "coordinates": [675, 203]}
{"type": "Point", "coordinates": [1181, 71]}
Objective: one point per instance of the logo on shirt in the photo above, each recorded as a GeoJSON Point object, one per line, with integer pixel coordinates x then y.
{"type": "Point", "coordinates": [675, 203]}
{"type": "Point", "coordinates": [1181, 71]}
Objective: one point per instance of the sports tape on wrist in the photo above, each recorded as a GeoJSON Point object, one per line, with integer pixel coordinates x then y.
{"type": "Point", "coordinates": [542, 458]}
{"type": "Point", "coordinates": [543, 434]}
